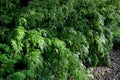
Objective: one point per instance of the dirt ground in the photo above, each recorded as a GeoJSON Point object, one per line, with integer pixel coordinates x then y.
{"type": "Point", "coordinates": [109, 73]}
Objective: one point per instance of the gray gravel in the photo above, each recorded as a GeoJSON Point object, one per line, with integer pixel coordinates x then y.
{"type": "Point", "coordinates": [109, 73]}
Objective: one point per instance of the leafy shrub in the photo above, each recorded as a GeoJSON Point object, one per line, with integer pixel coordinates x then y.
{"type": "Point", "coordinates": [52, 39]}
{"type": "Point", "coordinates": [36, 57]}
{"type": "Point", "coordinates": [116, 37]}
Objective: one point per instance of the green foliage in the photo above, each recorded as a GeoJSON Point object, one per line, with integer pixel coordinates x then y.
{"type": "Point", "coordinates": [116, 43]}
{"type": "Point", "coordinates": [52, 39]}
{"type": "Point", "coordinates": [16, 76]}
{"type": "Point", "coordinates": [45, 58]}
{"type": "Point", "coordinates": [116, 32]}
{"type": "Point", "coordinates": [116, 37]}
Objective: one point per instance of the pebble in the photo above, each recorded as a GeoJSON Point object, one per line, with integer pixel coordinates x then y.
{"type": "Point", "coordinates": [112, 73]}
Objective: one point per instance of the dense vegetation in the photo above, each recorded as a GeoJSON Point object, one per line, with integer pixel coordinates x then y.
{"type": "Point", "coordinates": [55, 39]}
{"type": "Point", "coordinates": [116, 37]}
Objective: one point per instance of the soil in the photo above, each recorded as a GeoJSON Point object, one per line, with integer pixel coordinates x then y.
{"type": "Point", "coordinates": [112, 72]}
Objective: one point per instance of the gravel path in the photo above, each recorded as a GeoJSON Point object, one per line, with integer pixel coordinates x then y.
{"type": "Point", "coordinates": [111, 73]}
